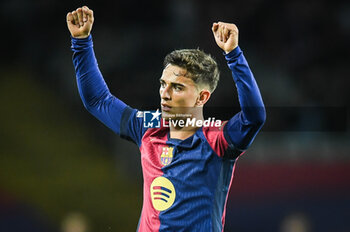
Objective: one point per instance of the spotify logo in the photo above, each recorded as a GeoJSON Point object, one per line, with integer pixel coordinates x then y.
{"type": "Point", "coordinates": [162, 193]}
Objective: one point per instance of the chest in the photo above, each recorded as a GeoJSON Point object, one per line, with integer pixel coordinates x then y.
{"type": "Point", "coordinates": [194, 161]}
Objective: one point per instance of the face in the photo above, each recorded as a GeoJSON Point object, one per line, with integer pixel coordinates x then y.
{"type": "Point", "coordinates": [179, 94]}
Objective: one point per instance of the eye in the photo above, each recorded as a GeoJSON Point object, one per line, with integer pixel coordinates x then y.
{"type": "Point", "coordinates": [178, 88]}
{"type": "Point", "coordinates": [162, 84]}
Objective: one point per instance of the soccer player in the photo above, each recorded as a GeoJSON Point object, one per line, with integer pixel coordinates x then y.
{"type": "Point", "coordinates": [187, 170]}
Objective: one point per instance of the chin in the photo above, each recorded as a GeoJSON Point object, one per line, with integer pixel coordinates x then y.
{"type": "Point", "coordinates": [166, 115]}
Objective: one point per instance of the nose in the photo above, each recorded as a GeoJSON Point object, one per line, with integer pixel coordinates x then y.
{"type": "Point", "coordinates": [165, 93]}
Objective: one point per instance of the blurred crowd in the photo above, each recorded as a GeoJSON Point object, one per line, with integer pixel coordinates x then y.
{"type": "Point", "coordinates": [297, 49]}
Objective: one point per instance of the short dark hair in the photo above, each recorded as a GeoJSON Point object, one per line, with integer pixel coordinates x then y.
{"type": "Point", "coordinates": [202, 68]}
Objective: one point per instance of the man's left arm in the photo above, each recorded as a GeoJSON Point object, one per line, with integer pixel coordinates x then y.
{"type": "Point", "coordinates": [241, 129]}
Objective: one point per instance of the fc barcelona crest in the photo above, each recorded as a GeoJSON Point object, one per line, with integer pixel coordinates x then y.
{"type": "Point", "coordinates": [167, 155]}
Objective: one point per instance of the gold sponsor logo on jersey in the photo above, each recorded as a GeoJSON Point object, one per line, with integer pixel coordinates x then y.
{"type": "Point", "coordinates": [162, 193]}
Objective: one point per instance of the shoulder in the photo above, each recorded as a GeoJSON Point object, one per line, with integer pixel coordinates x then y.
{"type": "Point", "coordinates": [219, 141]}
{"type": "Point", "coordinates": [155, 134]}
{"type": "Point", "coordinates": [214, 129]}
{"type": "Point", "coordinates": [214, 134]}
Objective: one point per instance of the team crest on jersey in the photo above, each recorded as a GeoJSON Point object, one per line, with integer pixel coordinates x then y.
{"type": "Point", "coordinates": [167, 155]}
{"type": "Point", "coordinates": [162, 193]}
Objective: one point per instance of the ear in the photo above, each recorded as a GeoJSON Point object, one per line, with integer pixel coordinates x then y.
{"type": "Point", "coordinates": [204, 96]}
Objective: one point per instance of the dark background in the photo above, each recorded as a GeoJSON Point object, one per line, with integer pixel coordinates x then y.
{"type": "Point", "coordinates": [61, 170]}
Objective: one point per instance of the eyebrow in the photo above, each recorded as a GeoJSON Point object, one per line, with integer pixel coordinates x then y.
{"type": "Point", "coordinates": [172, 83]}
{"type": "Point", "coordinates": [180, 74]}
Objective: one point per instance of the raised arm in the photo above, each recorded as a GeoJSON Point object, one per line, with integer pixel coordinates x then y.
{"type": "Point", "coordinates": [93, 90]}
{"type": "Point", "coordinates": [242, 128]}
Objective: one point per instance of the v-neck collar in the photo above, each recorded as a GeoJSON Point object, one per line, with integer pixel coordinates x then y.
{"type": "Point", "coordinates": [186, 143]}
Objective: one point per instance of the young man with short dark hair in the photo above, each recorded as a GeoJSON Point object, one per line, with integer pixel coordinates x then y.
{"type": "Point", "coordinates": [187, 164]}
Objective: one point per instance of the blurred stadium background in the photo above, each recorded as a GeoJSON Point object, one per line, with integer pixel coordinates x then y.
{"type": "Point", "coordinates": [62, 171]}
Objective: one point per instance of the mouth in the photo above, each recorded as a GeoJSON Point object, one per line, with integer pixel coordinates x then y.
{"type": "Point", "coordinates": [166, 107]}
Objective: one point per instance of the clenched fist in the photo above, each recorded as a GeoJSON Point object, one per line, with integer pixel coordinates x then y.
{"type": "Point", "coordinates": [80, 22]}
{"type": "Point", "coordinates": [226, 35]}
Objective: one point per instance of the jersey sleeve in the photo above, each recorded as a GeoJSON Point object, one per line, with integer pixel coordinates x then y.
{"type": "Point", "coordinates": [242, 128]}
{"type": "Point", "coordinates": [96, 97]}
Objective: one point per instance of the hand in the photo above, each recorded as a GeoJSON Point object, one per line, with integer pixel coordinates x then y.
{"type": "Point", "coordinates": [80, 22]}
{"type": "Point", "coordinates": [226, 35]}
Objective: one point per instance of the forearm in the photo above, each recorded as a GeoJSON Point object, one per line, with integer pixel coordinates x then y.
{"type": "Point", "coordinates": [245, 125]}
{"type": "Point", "coordinates": [91, 85]}
{"type": "Point", "coordinates": [248, 91]}
{"type": "Point", "coordinates": [93, 90]}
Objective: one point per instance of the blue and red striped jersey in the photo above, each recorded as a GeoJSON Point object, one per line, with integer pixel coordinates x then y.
{"type": "Point", "coordinates": [186, 182]}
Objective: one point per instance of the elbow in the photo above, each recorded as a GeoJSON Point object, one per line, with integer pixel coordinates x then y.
{"type": "Point", "coordinates": [252, 129]}
{"type": "Point", "coordinates": [88, 107]}
{"type": "Point", "coordinates": [254, 116]}
{"type": "Point", "coordinates": [248, 137]}
{"type": "Point", "coordinates": [95, 102]}
{"type": "Point", "coordinates": [261, 119]}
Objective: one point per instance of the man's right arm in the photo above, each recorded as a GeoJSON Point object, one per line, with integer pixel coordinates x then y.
{"type": "Point", "coordinates": [93, 90]}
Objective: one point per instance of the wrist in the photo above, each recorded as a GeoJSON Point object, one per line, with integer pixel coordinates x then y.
{"type": "Point", "coordinates": [233, 53]}
{"type": "Point", "coordinates": [81, 43]}
{"type": "Point", "coordinates": [80, 36]}
{"type": "Point", "coordinates": [231, 49]}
